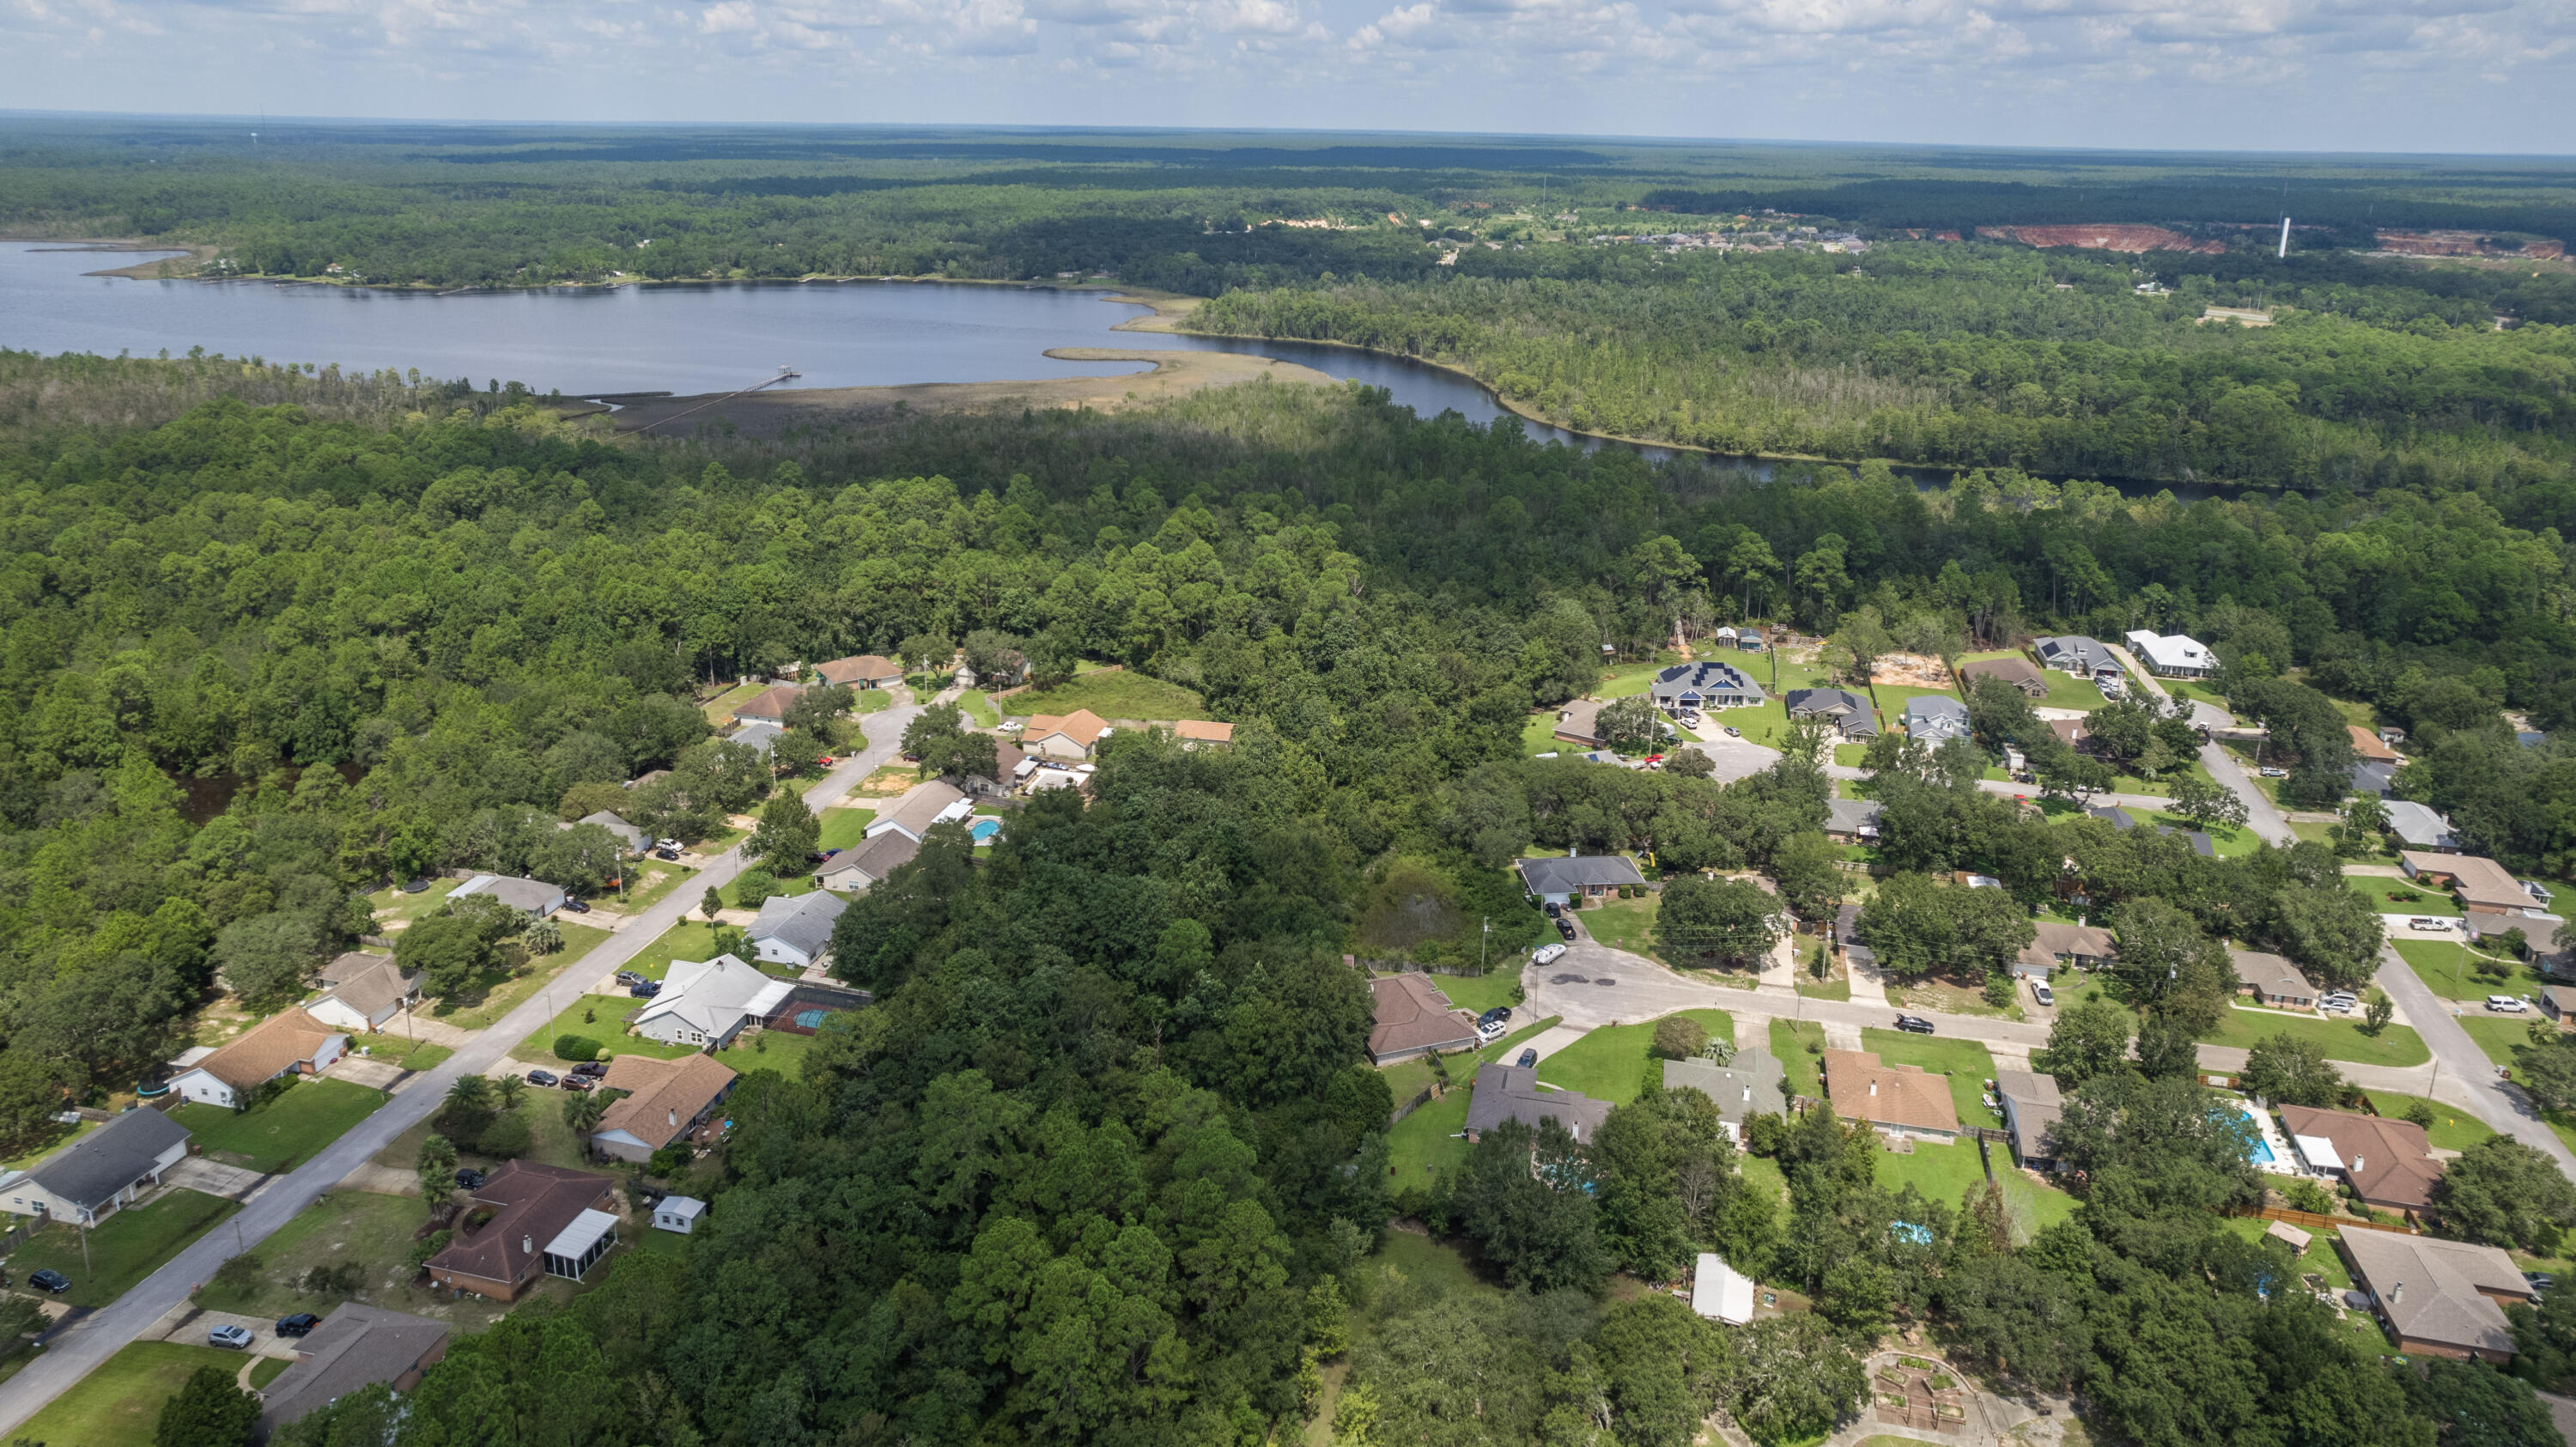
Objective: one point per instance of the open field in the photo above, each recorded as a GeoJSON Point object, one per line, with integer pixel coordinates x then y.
{"type": "Point", "coordinates": [1122, 694]}
{"type": "Point", "coordinates": [1612, 1063]}
{"type": "Point", "coordinates": [2452, 971]}
{"type": "Point", "coordinates": [124, 1248]}
{"type": "Point", "coordinates": [289, 1129]}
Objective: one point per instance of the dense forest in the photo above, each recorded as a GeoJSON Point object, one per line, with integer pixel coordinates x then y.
{"type": "Point", "coordinates": [1106, 1162]}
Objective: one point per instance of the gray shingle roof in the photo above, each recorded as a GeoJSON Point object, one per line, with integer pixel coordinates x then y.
{"type": "Point", "coordinates": [111, 1158]}
{"type": "Point", "coordinates": [1583, 871]}
{"type": "Point", "coordinates": [875, 859]}
{"type": "Point", "coordinates": [1850, 816]}
{"type": "Point", "coordinates": [804, 923]}
{"type": "Point", "coordinates": [1748, 1085]}
{"type": "Point", "coordinates": [354, 1347]}
{"type": "Point", "coordinates": [1508, 1092]}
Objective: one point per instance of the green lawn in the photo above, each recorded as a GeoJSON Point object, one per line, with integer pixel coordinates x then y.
{"type": "Point", "coordinates": [54, 1137]}
{"type": "Point", "coordinates": [688, 940]}
{"type": "Point", "coordinates": [2497, 1035]}
{"type": "Point", "coordinates": [978, 709]}
{"type": "Point", "coordinates": [2065, 690]}
{"type": "Point", "coordinates": [1123, 694]}
{"type": "Point", "coordinates": [2402, 896]}
{"type": "Point", "coordinates": [285, 1131]}
{"type": "Point", "coordinates": [1538, 735]}
{"type": "Point", "coordinates": [1964, 1061]}
{"type": "Point", "coordinates": [119, 1404]}
{"type": "Point", "coordinates": [2194, 689]}
{"type": "Point", "coordinates": [871, 700]}
{"type": "Point", "coordinates": [2453, 1129]}
{"type": "Point", "coordinates": [781, 1050]}
{"type": "Point", "coordinates": [648, 881]}
{"type": "Point", "coordinates": [391, 904]}
{"type": "Point", "coordinates": [844, 829]}
{"type": "Point", "coordinates": [601, 1018]}
{"type": "Point", "coordinates": [2451, 971]}
{"type": "Point", "coordinates": [2343, 1040]}
{"type": "Point", "coordinates": [124, 1248]}
{"type": "Point", "coordinates": [1483, 992]}
{"type": "Point", "coordinates": [720, 707]}
{"type": "Point", "coordinates": [426, 1057]}
{"type": "Point", "coordinates": [1789, 1040]}
{"type": "Point", "coordinates": [500, 994]}
{"type": "Point", "coordinates": [1947, 1173]}
{"type": "Point", "coordinates": [1425, 1142]}
{"type": "Point", "coordinates": [363, 1226]}
{"type": "Point", "coordinates": [1611, 1063]}
{"type": "Point", "coordinates": [1625, 924]}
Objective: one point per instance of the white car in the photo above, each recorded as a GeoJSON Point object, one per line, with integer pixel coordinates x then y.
{"type": "Point", "coordinates": [2505, 1005]}
{"type": "Point", "coordinates": [2431, 922]}
{"type": "Point", "coordinates": [2039, 991]}
{"type": "Point", "coordinates": [1546, 954]}
{"type": "Point", "coordinates": [1491, 1031]}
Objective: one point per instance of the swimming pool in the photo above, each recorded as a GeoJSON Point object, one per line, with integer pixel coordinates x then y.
{"type": "Point", "coordinates": [985, 830]}
{"type": "Point", "coordinates": [2261, 1155]}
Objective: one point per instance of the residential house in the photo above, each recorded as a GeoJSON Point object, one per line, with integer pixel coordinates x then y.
{"type": "Point", "coordinates": [1414, 1018]}
{"type": "Point", "coordinates": [796, 929]}
{"type": "Point", "coordinates": [532, 897]}
{"type": "Point", "coordinates": [1847, 941]}
{"type": "Point", "coordinates": [1720, 1292]}
{"type": "Point", "coordinates": [2439, 1298]}
{"type": "Point", "coordinates": [528, 1220]}
{"type": "Point", "coordinates": [1199, 733]}
{"type": "Point", "coordinates": [2374, 778]}
{"type": "Point", "coordinates": [2558, 1002]}
{"type": "Point", "coordinates": [770, 705]}
{"type": "Point", "coordinates": [627, 834]}
{"type": "Point", "coordinates": [2369, 746]}
{"type": "Point", "coordinates": [864, 671]}
{"type": "Point", "coordinates": [2076, 654]}
{"type": "Point", "coordinates": [2031, 1104]}
{"type": "Point", "coordinates": [1934, 718]}
{"type": "Point", "coordinates": [1511, 1092]}
{"type": "Point", "coordinates": [2544, 940]}
{"type": "Point", "coordinates": [1069, 736]}
{"type": "Point", "coordinates": [1747, 1085]}
{"type": "Point", "coordinates": [290, 1042]}
{"type": "Point", "coordinates": [2272, 980]}
{"type": "Point", "coordinates": [1556, 880]}
{"type": "Point", "coordinates": [679, 1214]}
{"type": "Point", "coordinates": [930, 803]}
{"type": "Point", "coordinates": [852, 870]}
{"type": "Point", "coordinates": [2016, 671]}
{"type": "Point", "coordinates": [1010, 765]}
{"type": "Point", "coordinates": [112, 1166]}
{"type": "Point", "coordinates": [2475, 881]}
{"type": "Point", "coordinates": [1578, 723]}
{"type": "Point", "coordinates": [2172, 655]}
{"type": "Point", "coordinates": [1706, 685]}
{"type": "Point", "coordinates": [2418, 826]}
{"type": "Point", "coordinates": [1899, 1099]}
{"type": "Point", "coordinates": [2053, 943]}
{"type": "Point", "coordinates": [2388, 1162]}
{"type": "Point", "coordinates": [1848, 712]}
{"type": "Point", "coordinates": [354, 1348]}
{"type": "Point", "coordinates": [2070, 732]}
{"type": "Point", "coordinates": [1853, 821]}
{"type": "Point", "coordinates": [362, 993]}
{"type": "Point", "coordinates": [708, 1002]}
{"type": "Point", "coordinates": [667, 1100]}
{"type": "Point", "coordinates": [760, 737]}
{"type": "Point", "coordinates": [811, 1002]}
{"type": "Point", "coordinates": [2124, 821]}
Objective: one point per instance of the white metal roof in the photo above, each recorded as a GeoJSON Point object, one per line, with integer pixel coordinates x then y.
{"type": "Point", "coordinates": [586, 1231]}
{"type": "Point", "coordinates": [684, 1207]}
{"type": "Point", "coordinates": [1720, 1291]}
{"type": "Point", "coordinates": [2318, 1152]}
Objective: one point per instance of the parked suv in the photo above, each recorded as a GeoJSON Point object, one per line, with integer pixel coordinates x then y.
{"type": "Point", "coordinates": [644, 989]}
{"type": "Point", "coordinates": [50, 1280]}
{"type": "Point", "coordinates": [300, 1324]}
{"type": "Point", "coordinates": [1565, 927]}
{"type": "Point", "coordinates": [2505, 1004]}
{"type": "Point", "coordinates": [541, 1077]}
{"type": "Point", "coordinates": [230, 1337]}
{"type": "Point", "coordinates": [470, 1179]}
{"type": "Point", "coordinates": [629, 977]}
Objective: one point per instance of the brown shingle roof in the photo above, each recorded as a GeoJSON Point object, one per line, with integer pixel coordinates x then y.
{"type": "Point", "coordinates": [1204, 731]}
{"type": "Point", "coordinates": [2449, 1288]}
{"type": "Point", "coordinates": [1082, 726]}
{"type": "Point", "coordinates": [2369, 745]}
{"type": "Point", "coordinates": [2389, 1161]}
{"type": "Point", "coordinates": [2476, 880]}
{"type": "Point", "coordinates": [770, 704]}
{"type": "Point", "coordinates": [668, 1094]}
{"type": "Point", "coordinates": [2019, 672]}
{"type": "Point", "coordinates": [530, 1205]}
{"type": "Point", "coordinates": [865, 668]}
{"type": "Point", "coordinates": [271, 1047]}
{"type": "Point", "coordinates": [1412, 1014]}
{"type": "Point", "coordinates": [1863, 1089]}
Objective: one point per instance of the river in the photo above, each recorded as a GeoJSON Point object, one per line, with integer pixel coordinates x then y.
{"type": "Point", "coordinates": [686, 339]}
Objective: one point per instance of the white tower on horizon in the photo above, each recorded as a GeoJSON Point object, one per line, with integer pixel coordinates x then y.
{"type": "Point", "coordinates": [2285, 239]}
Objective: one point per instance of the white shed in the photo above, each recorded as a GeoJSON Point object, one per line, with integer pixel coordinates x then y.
{"type": "Point", "coordinates": [1720, 1292]}
{"type": "Point", "coordinates": [678, 1213]}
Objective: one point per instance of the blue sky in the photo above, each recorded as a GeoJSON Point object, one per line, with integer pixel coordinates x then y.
{"type": "Point", "coordinates": [2331, 75]}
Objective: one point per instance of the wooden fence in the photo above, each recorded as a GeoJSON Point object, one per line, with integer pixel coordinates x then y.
{"type": "Point", "coordinates": [1420, 1099]}
{"type": "Point", "coordinates": [2315, 1222]}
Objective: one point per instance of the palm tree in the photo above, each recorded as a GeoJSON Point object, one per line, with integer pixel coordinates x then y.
{"type": "Point", "coordinates": [582, 1110]}
{"type": "Point", "coordinates": [471, 1094]}
{"type": "Point", "coordinates": [511, 1088]}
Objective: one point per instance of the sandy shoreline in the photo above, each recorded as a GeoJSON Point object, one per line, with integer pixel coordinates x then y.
{"type": "Point", "coordinates": [768, 414]}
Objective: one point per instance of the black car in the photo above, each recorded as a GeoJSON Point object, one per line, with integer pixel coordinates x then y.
{"type": "Point", "coordinates": [590, 1070]}
{"type": "Point", "coordinates": [1565, 927]}
{"type": "Point", "coordinates": [1554, 911]}
{"type": "Point", "coordinates": [53, 1281]}
{"type": "Point", "coordinates": [470, 1179]}
{"type": "Point", "coordinates": [577, 906]}
{"type": "Point", "coordinates": [299, 1324]}
{"type": "Point", "coordinates": [645, 989]}
{"type": "Point", "coordinates": [1529, 1058]}
{"type": "Point", "coordinates": [1913, 1024]}
{"type": "Point", "coordinates": [666, 854]}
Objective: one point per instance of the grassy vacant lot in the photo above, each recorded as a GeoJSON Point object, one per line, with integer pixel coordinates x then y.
{"type": "Point", "coordinates": [124, 1248]}
{"type": "Point", "coordinates": [647, 881]}
{"type": "Point", "coordinates": [1964, 1061]}
{"type": "Point", "coordinates": [720, 708]}
{"type": "Point", "coordinates": [2342, 1039]}
{"type": "Point", "coordinates": [1789, 1042]}
{"type": "Point", "coordinates": [391, 904]}
{"type": "Point", "coordinates": [497, 995]}
{"type": "Point", "coordinates": [1611, 1063]}
{"type": "Point", "coordinates": [373, 1230]}
{"type": "Point", "coordinates": [690, 940]}
{"type": "Point", "coordinates": [2390, 895]}
{"type": "Point", "coordinates": [844, 828]}
{"type": "Point", "coordinates": [601, 1018]}
{"type": "Point", "coordinates": [2451, 971]}
{"type": "Point", "coordinates": [2453, 1129]}
{"type": "Point", "coordinates": [1625, 924]}
{"type": "Point", "coordinates": [119, 1404]}
{"type": "Point", "coordinates": [1112, 695]}
{"type": "Point", "coordinates": [285, 1131]}
{"type": "Point", "coordinates": [1425, 1142]}
{"type": "Point", "coordinates": [978, 709]}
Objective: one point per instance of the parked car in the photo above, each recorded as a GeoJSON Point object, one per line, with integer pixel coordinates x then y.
{"type": "Point", "coordinates": [2269, 772]}
{"type": "Point", "coordinates": [1489, 1032]}
{"type": "Point", "coordinates": [299, 1324]}
{"type": "Point", "coordinates": [542, 1077]}
{"type": "Point", "coordinates": [818, 857]}
{"type": "Point", "coordinates": [590, 1069]}
{"type": "Point", "coordinates": [578, 1082]}
{"type": "Point", "coordinates": [2505, 1004]}
{"type": "Point", "coordinates": [576, 906]}
{"type": "Point", "coordinates": [1546, 954]}
{"type": "Point", "coordinates": [50, 1280]}
{"type": "Point", "coordinates": [629, 977]}
{"type": "Point", "coordinates": [1565, 927]}
{"type": "Point", "coordinates": [1553, 911]}
{"type": "Point", "coordinates": [1529, 1058]}
{"type": "Point", "coordinates": [666, 853]}
{"type": "Point", "coordinates": [2342, 1002]}
{"type": "Point", "coordinates": [2039, 991]}
{"type": "Point", "coordinates": [230, 1337]}
{"type": "Point", "coordinates": [668, 843]}
{"type": "Point", "coordinates": [470, 1179]}
{"type": "Point", "coordinates": [1913, 1024]}
{"type": "Point", "coordinates": [1732, 731]}
{"type": "Point", "coordinates": [1499, 1012]}
{"type": "Point", "coordinates": [2540, 1280]}
{"type": "Point", "coordinates": [2427, 921]}
{"type": "Point", "coordinates": [646, 990]}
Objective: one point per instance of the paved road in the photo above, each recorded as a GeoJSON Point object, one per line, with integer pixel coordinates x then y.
{"type": "Point", "coordinates": [2261, 815]}
{"type": "Point", "coordinates": [2467, 1075]}
{"type": "Point", "coordinates": [74, 1352]}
